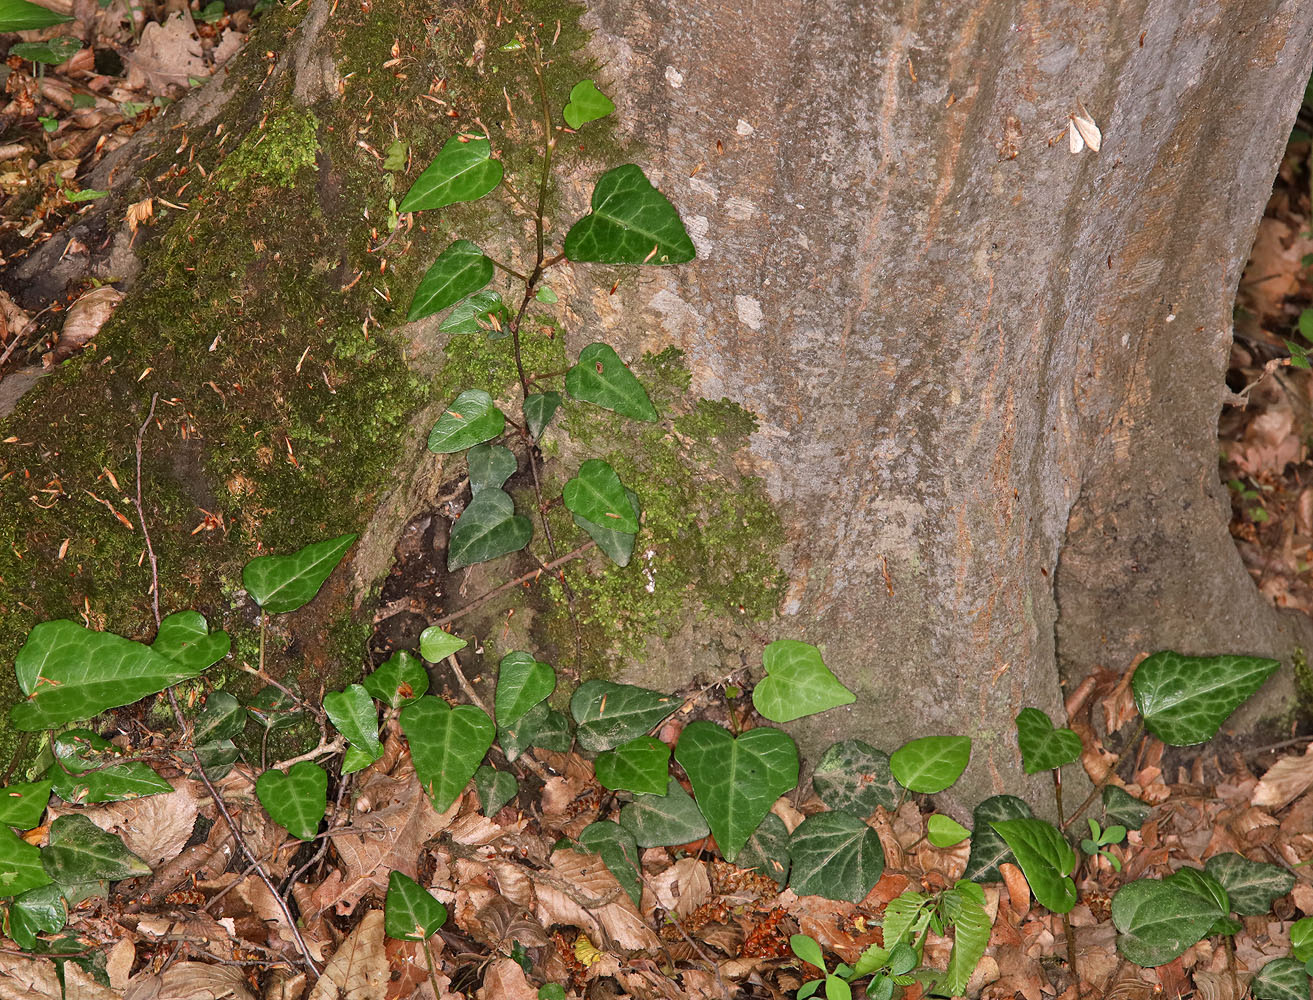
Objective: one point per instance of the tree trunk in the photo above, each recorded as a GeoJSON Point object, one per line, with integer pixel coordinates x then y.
{"type": "Point", "coordinates": [986, 371]}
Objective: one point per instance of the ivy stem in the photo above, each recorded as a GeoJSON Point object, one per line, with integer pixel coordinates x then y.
{"type": "Point", "coordinates": [433, 972]}
{"type": "Point", "coordinates": [262, 622]}
{"type": "Point", "coordinates": [553, 261]}
{"type": "Point", "coordinates": [1108, 776]}
{"type": "Point", "coordinates": [509, 270]}
{"type": "Point", "coordinates": [1067, 932]}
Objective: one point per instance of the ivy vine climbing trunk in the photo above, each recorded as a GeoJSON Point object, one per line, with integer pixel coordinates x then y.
{"type": "Point", "coordinates": [986, 370]}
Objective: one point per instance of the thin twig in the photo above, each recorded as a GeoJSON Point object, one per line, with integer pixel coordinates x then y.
{"type": "Point", "coordinates": [324, 748]}
{"type": "Point", "coordinates": [511, 584]}
{"type": "Point", "coordinates": [141, 516]}
{"type": "Point", "coordinates": [1067, 932]}
{"type": "Point", "coordinates": [465, 684]}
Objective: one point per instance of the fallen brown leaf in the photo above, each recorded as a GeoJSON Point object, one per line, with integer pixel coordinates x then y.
{"type": "Point", "coordinates": [190, 981]}
{"type": "Point", "coordinates": [84, 319]}
{"type": "Point", "coordinates": [1285, 780]}
{"type": "Point", "coordinates": [358, 969]}
{"type": "Point", "coordinates": [505, 980]}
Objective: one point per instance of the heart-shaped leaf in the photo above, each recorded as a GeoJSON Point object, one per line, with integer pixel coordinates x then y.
{"type": "Point", "coordinates": [767, 850]}
{"type": "Point", "coordinates": [854, 777]}
{"type": "Point", "coordinates": [609, 714]}
{"type": "Point", "coordinates": [37, 911]}
{"type": "Point", "coordinates": [279, 584]}
{"type": "Point", "coordinates": [23, 804]}
{"type": "Point", "coordinates": [471, 418]}
{"type": "Point", "coordinates": [834, 855]}
{"type": "Point", "coordinates": [486, 529]}
{"type": "Point", "coordinates": [736, 781]}
{"type": "Point", "coordinates": [797, 683]}
{"type": "Point", "coordinates": [596, 494]}
{"type": "Point", "coordinates": [539, 409]}
{"type": "Point", "coordinates": [1124, 809]}
{"type": "Point", "coordinates": [944, 831]}
{"type": "Point", "coordinates": [664, 820]}
{"type": "Point", "coordinates": [463, 170]}
{"type": "Point", "coordinates": [222, 718]}
{"type": "Point", "coordinates": [641, 765]}
{"type": "Point", "coordinates": [1252, 886]}
{"type": "Point", "coordinates": [1158, 921]}
{"type": "Point", "coordinates": [1280, 979]}
{"type": "Point", "coordinates": [410, 913]}
{"type": "Point", "coordinates": [482, 312]}
{"type": "Point", "coordinates": [1045, 858]}
{"type": "Point", "coordinates": [1044, 748]}
{"type": "Point", "coordinates": [400, 679]}
{"type": "Point", "coordinates": [70, 673]}
{"type": "Point", "coordinates": [587, 104]}
{"type": "Point", "coordinates": [602, 379]}
{"type": "Point", "coordinates": [931, 763]}
{"type": "Point", "coordinates": [84, 772]}
{"type": "Point", "coordinates": [355, 759]}
{"type": "Point", "coordinates": [541, 727]}
{"type": "Point", "coordinates": [51, 52]}
{"type": "Point", "coordinates": [20, 864]}
{"type": "Point", "coordinates": [490, 466]}
{"type": "Point", "coordinates": [217, 758]}
{"type": "Point", "coordinates": [19, 15]}
{"type": "Point", "coordinates": [460, 270]}
{"type": "Point", "coordinates": [495, 788]}
{"type": "Point", "coordinates": [354, 713]}
{"type": "Point", "coordinates": [80, 851]}
{"type": "Point", "coordinates": [296, 800]}
{"type": "Point", "coordinates": [988, 848]}
{"type": "Point", "coordinates": [522, 682]}
{"type": "Point", "coordinates": [447, 744]}
{"type": "Point", "coordinates": [618, 545]}
{"type": "Point", "coordinates": [631, 223]}
{"type": "Point", "coordinates": [1185, 699]}
{"type": "Point", "coordinates": [274, 709]}
{"type": "Point", "coordinates": [185, 636]}
{"type": "Point", "coordinates": [435, 644]}
{"type": "Point", "coordinates": [619, 852]}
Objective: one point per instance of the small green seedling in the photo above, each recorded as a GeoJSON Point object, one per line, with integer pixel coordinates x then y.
{"type": "Point", "coordinates": [1099, 840]}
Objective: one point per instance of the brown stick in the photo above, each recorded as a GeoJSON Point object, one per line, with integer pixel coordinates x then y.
{"type": "Point", "coordinates": [511, 584]}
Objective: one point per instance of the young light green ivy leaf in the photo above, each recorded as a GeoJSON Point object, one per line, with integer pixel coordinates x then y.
{"type": "Point", "coordinates": [944, 831]}
{"type": "Point", "coordinates": [641, 765]}
{"type": "Point", "coordinates": [597, 495]}
{"type": "Point", "coordinates": [185, 636]}
{"type": "Point", "coordinates": [460, 270]}
{"type": "Point", "coordinates": [469, 419]}
{"type": "Point", "coordinates": [1185, 699]}
{"type": "Point", "coordinates": [353, 712]}
{"type": "Point", "coordinates": [487, 529]}
{"type": "Point", "coordinates": [410, 913]}
{"type": "Point", "coordinates": [797, 683]}
{"type": "Point", "coordinates": [1044, 748]}
{"type": "Point", "coordinates": [1045, 858]}
{"type": "Point", "coordinates": [601, 378]}
{"type": "Point", "coordinates": [631, 223]}
{"type": "Point", "coordinates": [587, 104]}
{"type": "Point", "coordinates": [436, 644]}
{"type": "Point", "coordinates": [1301, 939]}
{"type": "Point", "coordinates": [932, 763]}
{"type": "Point", "coordinates": [522, 683]}
{"type": "Point", "coordinates": [279, 584]}
{"type": "Point", "coordinates": [447, 745]}
{"type": "Point", "coordinates": [463, 170]}
{"type": "Point", "coordinates": [296, 800]}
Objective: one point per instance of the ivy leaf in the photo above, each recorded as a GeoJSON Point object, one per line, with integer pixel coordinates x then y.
{"type": "Point", "coordinates": [185, 637]}
{"type": "Point", "coordinates": [482, 312]}
{"type": "Point", "coordinates": [944, 831]}
{"type": "Point", "coordinates": [854, 777]}
{"type": "Point", "coordinates": [767, 850]}
{"type": "Point", "coordinates": [486, 529]}
{"type": "Point", "coordinates": [51, 52]}
{"type": "Point", "coordinates": [296, 800]}
{"type": "Point", "coordinates": [490, 465]}
{"type": "Point", "coordinates": [399, 680]}
{"type": "Point", "coordinates": [222, 718]}
{"type": "Point", "coordinates": [609, 714]}
{"type": "Point", "coordinates": [356, 759]}
{"type": "Point", "coordinates": [596, 494]}
{"type": "Point", "coordinates": [23, 804]}
{"type": "Point", "coordinates": [471, 418]}
{"type": "Point", "coordinates": [217, 758]}
{"type": "Point", "coordinates": [80, 851]}
{"type": "Point", "coordinates": [37, 911]}
{"type": "Point", "coordinates": [1301, 939]}
{"type": "Point", "coordinates": [70, 673]}
{"type": "Point", "coordinates": [539, 408]}
{"type": "Point", "coordinates": [436, 644]}
{"type": "Point", "coordinates": [587, 104]}
{"type": "Point", "coordinates": [1045, 858]}
{"type": "Point", "coordinates": [522, 683]}
{"type": "Point", "coordinates": [618, 545]}
{"type": "Point", "coordinates": [797, 683]}
{"type": "Point", "coordinates": [619, 852]}
{"type": "Point", "coordinates": [664, 820]}
{"type": "Point", "coordinates": [447, 744]}
{"type": "Point", "coordinates": [602, 379]}
{"type": "Point", "coordinates": [988, 848]}
{"type": "Point", "coordinates": [1044, 748]}
{"type": "Point", "coordinates": [641, 765]}
{"type": "Point", "coordinates": [353, 712]}
{"type": "Point", "coordinates": [1280, 979]}
{"type": "Point", "coordinates": [631, 223]}
{"type": "Point", "coordinates": [274, 709]}
{"type": "Point", "coordinates": [1157, 921]}
{"type": "Point", "coordinates": [20, 864]}
{"type": "Point", "coordinates": [410, 913]}
{"type": "Point", "coordinates": [736, 781]}
{"type": "Point", "coordinates": [971, 929]}
{"type": "Point", "coordinates": [1252, 886]}
{"type": "Point", "coordinates": [460, 270]}
{"type": "Point", "coordinates": [1123, 808]}
{"type": "Point", "coordinates": [19, 15]}
{"type": "Point", "coordinates": [834, 855]}
{"type": "Point", "coordinates": [1203, 885]}
{"type": "Point", "coordinates": [82, 772]}
{"type": "Point", "coordinates": [279, 584]}
{"type": "Point", "coordinates": [932, 763]}
{"type": "Point", "coordinates": [495, 789]}
{"type": "Point", "coordinates": [1185, 699]}
{"type": "Point", "coordinates": [463, 170]}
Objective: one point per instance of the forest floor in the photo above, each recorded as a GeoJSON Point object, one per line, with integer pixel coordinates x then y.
{"type": "Point", "coordinates": [523, 911]}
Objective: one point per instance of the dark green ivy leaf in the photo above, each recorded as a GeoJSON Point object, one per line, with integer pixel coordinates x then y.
{"type": "Point", "coordinates": [631, 223]}
{"type": "Point", "coordinates": [486, 529]}
{"type": "Point", "coordinates": [602, 379]}
{"type": "Point", "coordinates": [1185, 699]}
{"type": "Point", "coordinates": [619, 852]}
{"type": "Point", "coordinates": [469, 419]}
{"type": "Point", "coordinates": [597, 495]}
{"type": "Point", "coordinates": [1044, 748]}
{"type": "Point", "coordinates": [618, 545]}
{"type": "Point", "coordinates": [460, 270]}
{"type": "Point", "coordinates": [279, 584]}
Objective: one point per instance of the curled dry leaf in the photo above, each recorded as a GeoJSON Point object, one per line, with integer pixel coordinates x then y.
{"type": "Point", "coordinates": [155, 828]}
{"type": "Point", "coordinates": [84, 319]}
{"type": "Point", "coordinates": [37, 979]}
{"type": "Point", "coordinates": [1285, 780]}
{"type": "Point", "coordinates": [138, 212]}
{"type": "Point", "coordinates": [190, 981]}
{"type": "Point", "coordinates": [14, 320]}
{"type": "Point", "coordinates": [573, 892]}
{"type": "Point", "coordinates": [505, 980]}
{"type": "Point", "coordinates": [358, 969]}
{"type": "Point", "coordinates": [683, 887]}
